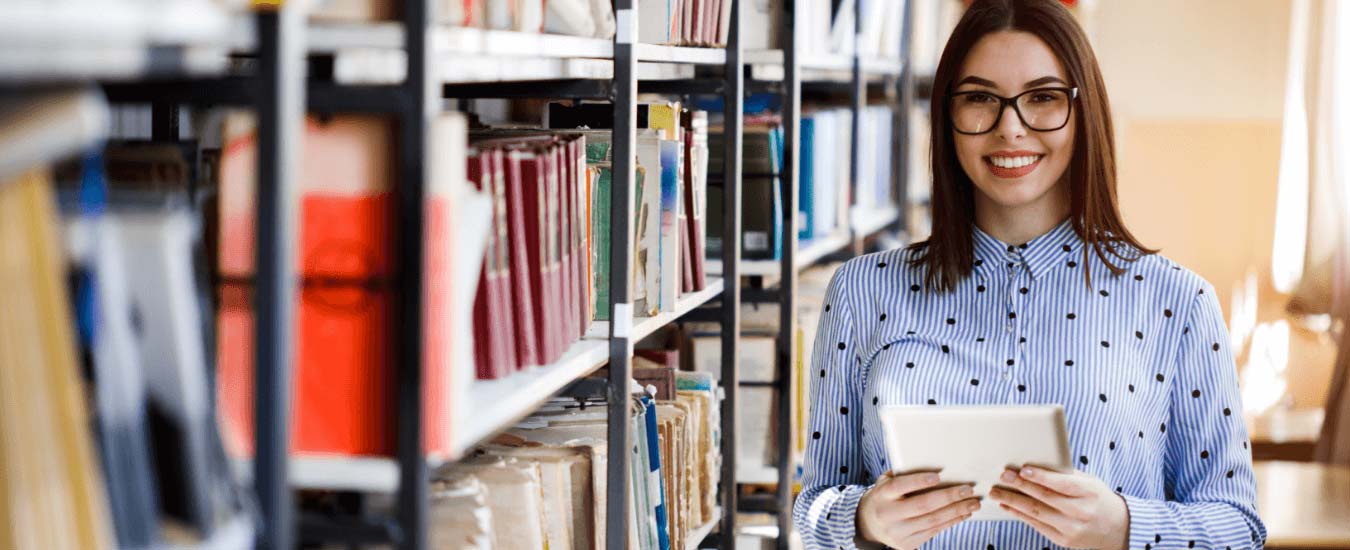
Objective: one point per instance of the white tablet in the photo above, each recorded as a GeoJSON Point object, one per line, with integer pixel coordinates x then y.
{"type": "Point", "coordinates": [975, 444]}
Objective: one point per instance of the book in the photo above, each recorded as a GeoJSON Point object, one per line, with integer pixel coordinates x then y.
{"type": "Point", "coordinates": [671, 161]}
{"type": "Point", "coordinates": [647, 227]}
{"type": "Point", "coordinates": [494, 334]}
{"type": "Point", "coordinates": [194, 480]}
{"type": "Point", "coordinates": [696, 192]}
{"type": "Point", "coordinates": [41, 127]}
{"type": "Point", "coordinates": [52, 487]}
{"type": "Point", "coordinates": [342, 375]}
{"type": "Point", "coordinates": [105, 318]}
{"type": "Point", "coordinates": [761, 205]}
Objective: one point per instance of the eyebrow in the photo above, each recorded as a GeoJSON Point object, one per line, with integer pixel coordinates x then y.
{"type": "Point", "coordinates": [990, 84]}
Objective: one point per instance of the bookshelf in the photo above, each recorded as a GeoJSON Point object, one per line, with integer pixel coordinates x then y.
{"type": "Point", "coordinates": [405, 68]}
{"type": "Point", "coordinates": [408, 68]}
{"type": "Point", "coordinates": [791, 72]}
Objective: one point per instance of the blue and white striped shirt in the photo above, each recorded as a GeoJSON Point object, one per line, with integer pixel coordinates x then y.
{"type": "Point", "coordinates": [1141, 364]}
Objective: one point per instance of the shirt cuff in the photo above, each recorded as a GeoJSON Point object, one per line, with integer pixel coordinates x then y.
{"type": "Point", "coordinates": [843, 519]}
{"type": "Point", "coordinates": [1149, 521]}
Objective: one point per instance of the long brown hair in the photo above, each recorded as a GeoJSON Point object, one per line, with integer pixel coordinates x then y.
{"type": "Point", "coordinates": [948, 253]}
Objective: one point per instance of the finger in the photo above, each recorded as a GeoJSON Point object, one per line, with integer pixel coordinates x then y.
{"type": "Point", "coordinates": [1064, 483]}
{"type": "Point", "coordinates": [918, 505]}
{"type": "Point", "coordinates": [902, 485]}
{"type": "Point", "coordinates": [918, 539]}
{"type": "Point", "coordinates": [1030, 507]}
{"type": "Point", "coordinates": [937, 517]}
{"type": "Point", "coordinates": [1040, 526]}
{"type": "Point", "coordinates": [1040, 492]}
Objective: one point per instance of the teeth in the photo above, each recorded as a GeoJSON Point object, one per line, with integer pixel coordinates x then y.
{"type": "Point", "coordinates": [1014, 162]}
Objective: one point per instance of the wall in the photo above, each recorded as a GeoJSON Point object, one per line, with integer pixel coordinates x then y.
{"type": "Point", "coordinates": [1197, 90]}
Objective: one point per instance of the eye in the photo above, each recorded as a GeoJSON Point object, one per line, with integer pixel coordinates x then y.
{"type": "Point", "coordinates": [1044, 97]}
{"type": "Point", "coordinates": [977, 97]}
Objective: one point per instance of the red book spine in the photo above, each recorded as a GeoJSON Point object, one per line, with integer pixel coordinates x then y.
{"type": "Point", "coordinates": [686, 261]}
{"type": "Point", "coordinates": [563, 172]}
{"type": "Point", "coordinates": [695, 238]}
{"type": "Point", "coordinates": [523, 233]}
{"type": "Point", "coordinates": [577, 156]}
{"type": "Point", "coordinates": [543, 277]}
{"type": "Point", "coordinates": [484, 300]}
{"type": "Point", "coordinates": [502, 325]}
{"type": "Point", "coordinates": [554, 232]}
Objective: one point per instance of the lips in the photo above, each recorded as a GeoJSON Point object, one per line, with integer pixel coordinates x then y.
{"type": "Point", "coordinates": [1012, 173]}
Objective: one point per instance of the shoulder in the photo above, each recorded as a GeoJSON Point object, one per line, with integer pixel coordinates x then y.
{"type": "Point", "coordinates": [878, 269]}
{"type": "Point", "coordinates": [1167, 282]}
{"type": "Point", "coordinates": [861, 280]}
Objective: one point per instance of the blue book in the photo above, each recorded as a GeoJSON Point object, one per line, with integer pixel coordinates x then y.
{"type": "Point", "coordinates": [654, 449]}
{"type": "Point", "coordinates": [776, 160]}
{"type": "Point", "coordinates": [669, 258]}
{"type": "Point", "coordinates": [806, 196]}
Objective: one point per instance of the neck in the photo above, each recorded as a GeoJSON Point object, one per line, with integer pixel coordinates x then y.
{"type": "Point", "coordinates": [1018, 224]}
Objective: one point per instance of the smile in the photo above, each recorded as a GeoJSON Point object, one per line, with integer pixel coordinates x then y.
{"type": "Point", "coordinates": [1013, 167]}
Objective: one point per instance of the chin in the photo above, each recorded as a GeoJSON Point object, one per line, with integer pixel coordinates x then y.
{"type": "Point", "coordinates": [1013, 195]}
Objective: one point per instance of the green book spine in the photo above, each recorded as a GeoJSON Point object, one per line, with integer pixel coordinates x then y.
{"type": "Point", "coordinates": [600, 237]}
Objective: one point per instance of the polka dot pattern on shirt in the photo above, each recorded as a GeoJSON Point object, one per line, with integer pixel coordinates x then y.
{"type": "Point", "coordinates": [1154, 332]}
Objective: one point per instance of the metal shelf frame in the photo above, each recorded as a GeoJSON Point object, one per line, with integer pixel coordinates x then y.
{"type": "Point", "coordinates": [860, 75]}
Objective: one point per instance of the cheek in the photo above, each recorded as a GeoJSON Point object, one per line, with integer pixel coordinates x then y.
{"type": "Point", "coordinates": [968, 154]}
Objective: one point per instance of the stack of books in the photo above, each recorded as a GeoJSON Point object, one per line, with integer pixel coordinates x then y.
{"type": "Point", "coordinates": [543, 483]}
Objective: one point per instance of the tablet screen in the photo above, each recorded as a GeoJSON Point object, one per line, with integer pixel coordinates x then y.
{"type": "Point", "coordinates": [975, 444]}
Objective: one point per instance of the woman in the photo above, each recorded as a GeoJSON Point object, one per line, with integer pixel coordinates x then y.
{"type": "Point", "coordinates": [1030, 290]}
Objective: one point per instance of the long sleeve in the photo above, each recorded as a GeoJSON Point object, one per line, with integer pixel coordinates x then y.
{"type": "Point", "coordinates": [1208, 468]}
{"type": "Point", "coordinates": [833, 480]}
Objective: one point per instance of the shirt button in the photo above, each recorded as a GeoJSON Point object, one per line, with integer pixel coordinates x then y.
{"type": "Point", "coordinates": [1006, 375]}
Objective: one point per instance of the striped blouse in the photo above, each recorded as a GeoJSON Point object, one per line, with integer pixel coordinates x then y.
{"type": "Point", "coordinates": [1141, 364]}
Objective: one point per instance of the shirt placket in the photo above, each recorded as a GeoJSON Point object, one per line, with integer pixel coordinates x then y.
{"type": "Point", "coordinates": [1015, 303]}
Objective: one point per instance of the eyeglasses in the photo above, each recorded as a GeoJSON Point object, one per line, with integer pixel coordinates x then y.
{"type": "Point", "coordinates": [1040, 109]}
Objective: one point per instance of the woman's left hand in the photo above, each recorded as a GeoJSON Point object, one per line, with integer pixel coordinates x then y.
{"type": "Point", "coordinates": [1074, 510]}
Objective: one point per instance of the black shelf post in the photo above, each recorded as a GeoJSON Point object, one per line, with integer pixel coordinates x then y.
{"type": "Point", "coordinates": [907, 84]}
{"type": "Point", "coordinates": [621, 274]}
{"type": "Point", "coordinates": [787, 333]}
{"type": "Point", "coordinates": [858, 96]}
{"type": "Point", "coordinates": [408, 238]}
{"type": "Point", "coordinates": [733, 103]}
{"type": "Point", "coordinates": [281, 100]}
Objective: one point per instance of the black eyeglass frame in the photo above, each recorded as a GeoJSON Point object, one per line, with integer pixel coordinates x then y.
{"type": "Point", "coordinates": [1004, 102]}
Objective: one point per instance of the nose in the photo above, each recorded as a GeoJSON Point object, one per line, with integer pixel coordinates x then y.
{"type": "Point", "coordinates": [1010, 126]}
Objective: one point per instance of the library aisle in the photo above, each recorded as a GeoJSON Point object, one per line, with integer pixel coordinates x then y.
{"type": "Point", "coordinates": [479, 274]}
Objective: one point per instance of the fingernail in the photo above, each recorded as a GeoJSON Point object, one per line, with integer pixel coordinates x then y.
{"type": "Point", "coordinates": [1008, 477]}
{"type": "Point", "coordinates": [932, 478]}
{"type": "Point", "coordinates": [966, 491]}
{"type": "Point", "coordinates": [1028, 472]}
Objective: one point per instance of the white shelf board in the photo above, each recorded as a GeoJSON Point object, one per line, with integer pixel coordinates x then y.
{"type": "Point", "coordinates": [681, 54]}
{"type": "Point", "coordinates": [808, 253]}
{"type": "Point", "coordinates": [496, 405]}
{"type": "Point", "coordinates": [342, 472]}
{"type": "Point", "coordinates": [882, 66]}
{"type": "Point", "coordinates": [84, 40]}
{"type": "Point", "coordinates": [644, 326]}
{"type": "Point", "coordinates": [326, 37]}
{"type": "Point", "coordinates": [756, 475]}
{"type": "Point", "coordinates": [470, 41]}
{"type": "Point", "coordinates": [767, 65]}
{"type": "Point", "coordinates": [697, 534]}
{"type": "Point", "coordinates": [871, 221]}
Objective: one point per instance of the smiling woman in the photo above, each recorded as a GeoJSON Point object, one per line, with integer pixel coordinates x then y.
{"type": "Point", "coordinates": [1000, 306]}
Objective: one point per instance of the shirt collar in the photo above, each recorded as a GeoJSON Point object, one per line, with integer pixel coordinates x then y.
{"type": "Point", "coordinates": [1039, 255]}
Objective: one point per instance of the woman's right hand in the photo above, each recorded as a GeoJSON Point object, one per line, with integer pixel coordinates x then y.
{"type": "Point", "coordinates": [892, 514]}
